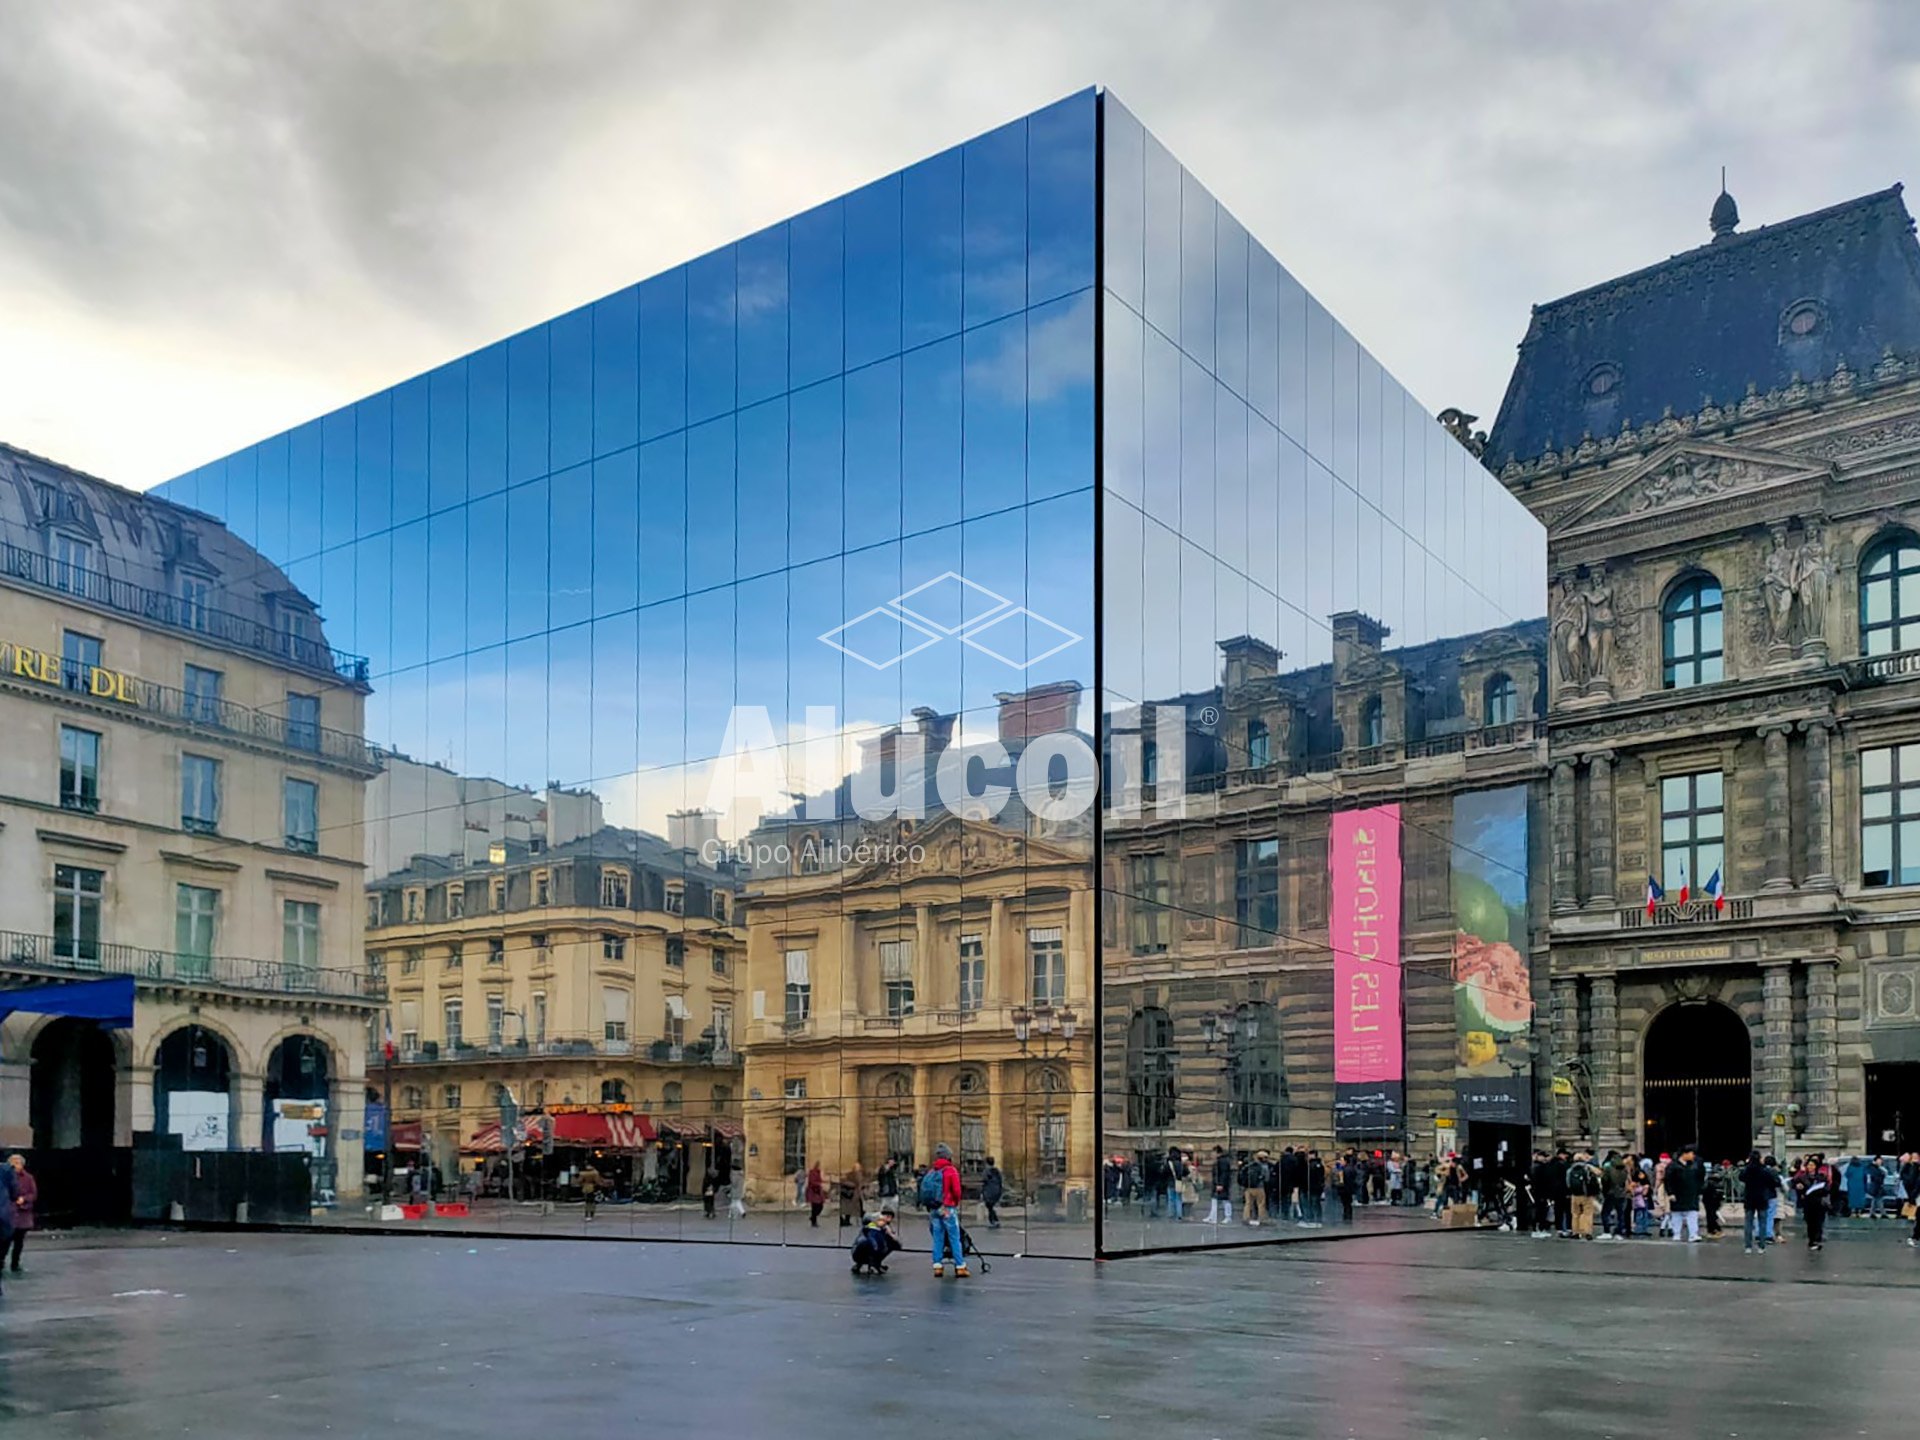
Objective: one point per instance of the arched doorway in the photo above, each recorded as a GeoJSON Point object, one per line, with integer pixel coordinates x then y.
{"type": "Point", "coordinates": [1697, 1069]}
{"type": "Point", "coordinates": [71, 1100]}
{"type": "Point", "coordinates": [193, 1089]}
{"type": "Point", "coordinates": [294, 1095]}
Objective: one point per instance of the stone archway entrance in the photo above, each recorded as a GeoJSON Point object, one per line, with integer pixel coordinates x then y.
{"type": "Point", "coordinates": [1697, 1082]}
{"type": "Point", "coordinates": [71, 1104]}
{"type": "Point", "coordinates": [194, 1091]}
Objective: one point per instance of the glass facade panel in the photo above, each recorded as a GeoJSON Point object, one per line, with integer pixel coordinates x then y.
{"type": "Point", "coordinates": [781, 576]}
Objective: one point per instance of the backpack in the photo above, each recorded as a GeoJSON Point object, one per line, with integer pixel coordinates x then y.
{"type": "Point", "coordinates": [1256, 1175]}
{"type": "Point", "coordinates": [933, 1189]}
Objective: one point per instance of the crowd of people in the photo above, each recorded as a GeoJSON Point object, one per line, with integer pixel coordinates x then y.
{"type": "Point", "coordinates": [1299, 1185]}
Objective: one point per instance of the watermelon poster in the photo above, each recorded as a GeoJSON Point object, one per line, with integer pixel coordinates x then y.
{"type": "Point", "coordinates": [1492, 981]}
{"type": "Point", "coordinates": [1369, 1075]}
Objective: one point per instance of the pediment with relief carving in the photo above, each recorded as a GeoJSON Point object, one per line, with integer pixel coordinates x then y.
{"type": "Point", "coordinates": [1685, 474]}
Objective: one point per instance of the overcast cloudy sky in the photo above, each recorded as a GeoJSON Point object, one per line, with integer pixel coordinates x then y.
{"type": "Point", "coordinates": [221, 217]}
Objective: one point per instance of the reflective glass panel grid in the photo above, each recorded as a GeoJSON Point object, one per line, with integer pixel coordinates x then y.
{"type": "Point", "coordinates": [1320, 647]}
{"type": "Point", "coordinates": [732, 642]}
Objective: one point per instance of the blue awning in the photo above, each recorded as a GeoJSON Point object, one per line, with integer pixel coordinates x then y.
{"type": "Point", "coordinates": [108, 1001]}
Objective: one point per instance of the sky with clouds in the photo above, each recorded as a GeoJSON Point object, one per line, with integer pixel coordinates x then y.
{"type": "Point", "coordinates": [220, 217]}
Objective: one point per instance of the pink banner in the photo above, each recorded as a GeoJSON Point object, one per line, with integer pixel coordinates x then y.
{"type": "Point", "coordinates": [1364, 930]}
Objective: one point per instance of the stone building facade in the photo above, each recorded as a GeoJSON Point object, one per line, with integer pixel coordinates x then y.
{"type": "Point", "coordinates": [1725, 449]}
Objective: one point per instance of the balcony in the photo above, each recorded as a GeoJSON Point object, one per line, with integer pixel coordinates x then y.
{"type": "Point", "coordinates": [661, 1052]}
{"type": "Point", "coordinates": [40, 955]}
{"type": "Point", "coordinates": [1694, 912]}
{"type": "Point", "coordinates": [1881, 669]}
{"type": "Point", "coordinates": [157, 607]}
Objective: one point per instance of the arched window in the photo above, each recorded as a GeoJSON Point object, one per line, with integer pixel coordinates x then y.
{"type": "Point", "coordinates": [671, 1095]}
{"type": "Point", "coordinates": [1690, 634]}
{"type": "Point", "coordinates": [613, 1092]}
{"type": "Point", "coordinates": [1373, 730]}
{"type": "Point", "coordinates": [1503, 701]}
{"type": "Point", "coordinates": [1150, 1083]}
{"type": "Point", "coordinates": [1256, 1073]}
{"type": "Point", "coordinates": [1890, 596]}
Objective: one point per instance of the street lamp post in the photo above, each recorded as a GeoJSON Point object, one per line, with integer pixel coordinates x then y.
{"type": "Point", "coordinates": [1043, 1020]}
{"type": "Point", "coordinates": [1237, 1029]}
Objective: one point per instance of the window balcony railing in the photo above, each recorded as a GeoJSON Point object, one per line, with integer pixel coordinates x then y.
{"type": "Point", "coordinates": [180, 613]}
{"type": "Point", "coordinates": [464, 1052]}
{"type": "Point", "coordinates": [70, 956]}
{"type": "Point", "coordinates": [1879, 669]}
{"type": "Point", "coordinates": [1694, 912]}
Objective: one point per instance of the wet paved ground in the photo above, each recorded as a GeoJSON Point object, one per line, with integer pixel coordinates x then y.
{"type": "Point", "coordinates": [1433, 1336]}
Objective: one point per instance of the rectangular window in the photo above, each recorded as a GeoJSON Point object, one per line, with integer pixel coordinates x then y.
{"type": "Point", "coordinates": [79, 658]}
{"type": "Point", "coordinates": [719, 961]}
{"type": "Point", "coordinates": [76, 913]}
{"type": "Point", "coordinates": [496, 1020]}
{"type": "Point", "coordinates": [456, 901]}
{"type": "Point", "coordinates": [72, 563]}
{"type": "Point", "coordinates": [540, 1017]}
{"type": "Point", "coordinates": [542, 888]}
{"type": "Point", "coordinates": [303, 816]}
{"type": "Point", "coordinates": [1256, 891]}
{"type": "Point", "coordinates": [1150, 897]}
{"type": "Point", "coordinates": [973, 1145]}
{"type": "Point", "coordinates": [676, 899]}
{"type": "Point", "coordinates": [79, 770]}
{"type": "Point", "coordinates": [676, 952]}
{"type": "Point", "coordinates": [496, 950]}
{"type": "Point", "coordinates": [196, 912]}
{"type": "Point", "coordinates": [1051, 1133]}
{"type": "Point", "coordinates": [376, 910]}
{"type": "Point", "coordinates": [1256, 744]}
{"type": "Point", "coordinates": [722, 1028]}
{"type": "Point", "coordinates": [1692, 831]}
{"type": "Point", "coordinates": [613, 947]}
{"type": "Point", "coordinates": [499, 900]}
{"type": "Point", "coordinates": [450, 1094]}
{"type": "Point", "coordinates": [794, 1089]}
{"type": "Point", "coordinates": [195, 600]}
{"type": "Point", "coordinates": [1149, 762]}
{"type": "Point", "coordinates": [720, 906]}
{"type": "Point", "coordinates": [410, 960]}
{"type": "Point", "coordinates": [896, 975]}
{"type": "Point", "coordinates": [1047, 959]}
{"type": "Point", "coordinates": [900, 1138]}
{"type": "Point", "coordinates": [676, 1020]}
{"type": "Point", "coordinates": [300, 939]}
{"type": "Point", "coordinates": [615, 1004]}
{"type": "Point", "coordinates": [973, 972]}
{"type": "Point", "coordinates": [1890, 816]}
{"type": "Point", "coordinates": [799, 987]}
{"type": "Point", "coordinates": [456, 956]}
{"type": "Point", "coordinates": [303, 721]}
{"type": "Point", "coordinates": [409, 1027]}
{"type": "Point", "coordinates": [199, 794]}
{"type": "Point", "coordinates": [541, 954]}
{"type": "Point", "coordinates": [415, 902]}
{"type": "Point", "coordinates": [613, 889]}
{"type": "Point", "coordinates": [451, 1013]}
{"type": "Point", "coordinates": [202, 694]}
{"type": "Point", "coordinates": [793, 1145]}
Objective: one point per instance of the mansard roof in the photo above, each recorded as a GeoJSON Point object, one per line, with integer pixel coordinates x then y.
{"type": "Point", "coordinates": [1751, 310]}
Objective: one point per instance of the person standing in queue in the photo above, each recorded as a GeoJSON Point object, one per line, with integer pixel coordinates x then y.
{"type": "Point", "coordinates": [1815, 1184]}
{"type": "Point", "coordinates": [940, 1195]}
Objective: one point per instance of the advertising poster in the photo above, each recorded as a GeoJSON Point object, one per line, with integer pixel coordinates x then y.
{"type": "Point", "coordinates": [1492, 982]}
{"type": "Point", "coordinates": [1369, 1078]}
{"type": "Point", "coordinates": [199, 1118]}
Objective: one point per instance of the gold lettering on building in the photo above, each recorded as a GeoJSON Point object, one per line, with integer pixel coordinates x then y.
{"type": "Point", "coordinates": [45, 668]}
{"type": "Point", "coordinates": [1687, 952]}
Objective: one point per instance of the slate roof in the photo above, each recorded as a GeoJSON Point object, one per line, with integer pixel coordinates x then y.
{"type": "Point", "coordinates": [1711, 322]}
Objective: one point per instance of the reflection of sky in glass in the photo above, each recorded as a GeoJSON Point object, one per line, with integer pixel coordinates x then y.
{"type": "Point", "coordinates": [569, 555]}
{"type": "Point", "coordinates": [1262, 470]}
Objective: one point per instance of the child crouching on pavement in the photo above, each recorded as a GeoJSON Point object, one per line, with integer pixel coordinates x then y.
{"type": "Point", "coordinates": [875, 1243]}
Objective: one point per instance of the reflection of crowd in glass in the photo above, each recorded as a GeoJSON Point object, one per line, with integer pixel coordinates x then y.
{"type": "Point", "coordinates": [1299, 1185]}
{"type": "Point", "coordinates": [1575, 1196]}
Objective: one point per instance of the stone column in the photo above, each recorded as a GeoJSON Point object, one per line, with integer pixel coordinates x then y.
{"type": "Point", "coordinates": [926, 974]}
{"type": "Point", "coordinates": [1776, 1065]}
{"type": "Point", "coordinates": [1610, 1131]}
{"type": "Point", "coordinates": [1601, 889]}
{"type": "Point", "coordinates": [1819, 802]}
{"type": "Point", "coordinates": [1777, 827]}
{"type": "Point", "coordinates": [347, 1117]}
{"type": "Point", "coordinates": [996, 940]}
{"type": "Point", "coordinates": [1566, 1047]}
{"type": "Point", "coordinates": [923, 1137]}
{"type": "Point", "coordinates": [1565, 838]}
{"type": "Point", "coordinates": [16, 1107]}
{"type": "Point", "coordinates": [1823, 1027]}
{"type": "Point", "coordinates": [997, 1115]}
{"type": "Point", "coordinates": [248, 1110]}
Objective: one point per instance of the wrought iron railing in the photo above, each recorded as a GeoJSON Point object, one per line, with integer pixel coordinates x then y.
{"type": "Point", "coordinates": [663, 1052]}
{"type": "Point", "coordinates": [180, 613]}
{"type": "Point", "coordinates": [1694, 912]}
{"type": "Point", "coordinates": [81, 956]}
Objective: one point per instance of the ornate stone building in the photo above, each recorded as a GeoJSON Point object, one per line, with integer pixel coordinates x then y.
{"type": "Point", "coordinates": [1725, 448]}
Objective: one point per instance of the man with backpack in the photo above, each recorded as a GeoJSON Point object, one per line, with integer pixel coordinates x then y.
{"type": "Point", "coordinates": [940, 1197]}
{"type": "Point", "coordinates": [1253, 1185]}
{"type": "Point", "coordinates": [1583, 1192]}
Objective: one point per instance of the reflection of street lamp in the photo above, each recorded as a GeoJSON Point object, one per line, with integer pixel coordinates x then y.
{"type": "Point", "coordinates": [1043, 1019]}
{"type": "Point", "coordinates": [1579, 1078]}
{"type": "Point", "coordinates": [1237, 1029]}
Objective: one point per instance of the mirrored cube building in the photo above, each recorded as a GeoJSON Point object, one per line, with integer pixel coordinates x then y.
{"type": "Point", "coordinates": [986, 663]}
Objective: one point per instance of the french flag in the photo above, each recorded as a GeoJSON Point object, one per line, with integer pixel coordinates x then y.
{"type": "Point", "coordinates": [1654, 895]}
{"type": "Point", "coordinates": [1713, 890]}
{"type": "Point", "coordinates": [389, 1035]}
{"type": "Point", "coordinates": [1686, 893]}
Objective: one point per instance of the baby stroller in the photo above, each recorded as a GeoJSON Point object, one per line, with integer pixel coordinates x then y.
{"type": "Point", "coordinates": [968, 1248]}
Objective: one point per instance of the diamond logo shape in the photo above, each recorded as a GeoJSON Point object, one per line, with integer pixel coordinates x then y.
{"type": "Point", "coordinates": [949, 598]}
{"type": "Point", "coordinates": [883, 633]}
{"type": "Point", "coordinates": [1020, 639]}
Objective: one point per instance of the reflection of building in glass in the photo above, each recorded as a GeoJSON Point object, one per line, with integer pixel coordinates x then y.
{"type": "Point", "coordinates": [919, 977]}
{"type": "Point", "coordinates": [1722, 446]}
{"type": "Point", "coordinates": [180, 802]}
{"type": "Point", "coordinates": [598, 976]}
{"type": "Point", "coordinates": [1226, 919]}
{"type": "Point", "coordinates": [417, 809]}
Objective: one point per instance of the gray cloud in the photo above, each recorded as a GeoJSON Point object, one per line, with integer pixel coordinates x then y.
{"type": "Point", "coordinates": [218, 219]}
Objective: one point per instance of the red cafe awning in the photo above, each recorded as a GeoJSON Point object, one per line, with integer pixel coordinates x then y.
{"type": "Point", "coordinates": [580, 1131]}
{"type": "Point", "coordinates": [410, 1135]}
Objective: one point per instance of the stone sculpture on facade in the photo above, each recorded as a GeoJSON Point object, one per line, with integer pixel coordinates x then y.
{"type": "Point", "coordinates": [1795, 585]}
{"type": "Point", "coordinates": [1583, 634]}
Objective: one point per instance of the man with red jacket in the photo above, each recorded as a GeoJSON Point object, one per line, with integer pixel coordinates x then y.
{"type": "Point", "coordinates": [943, 1219]}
